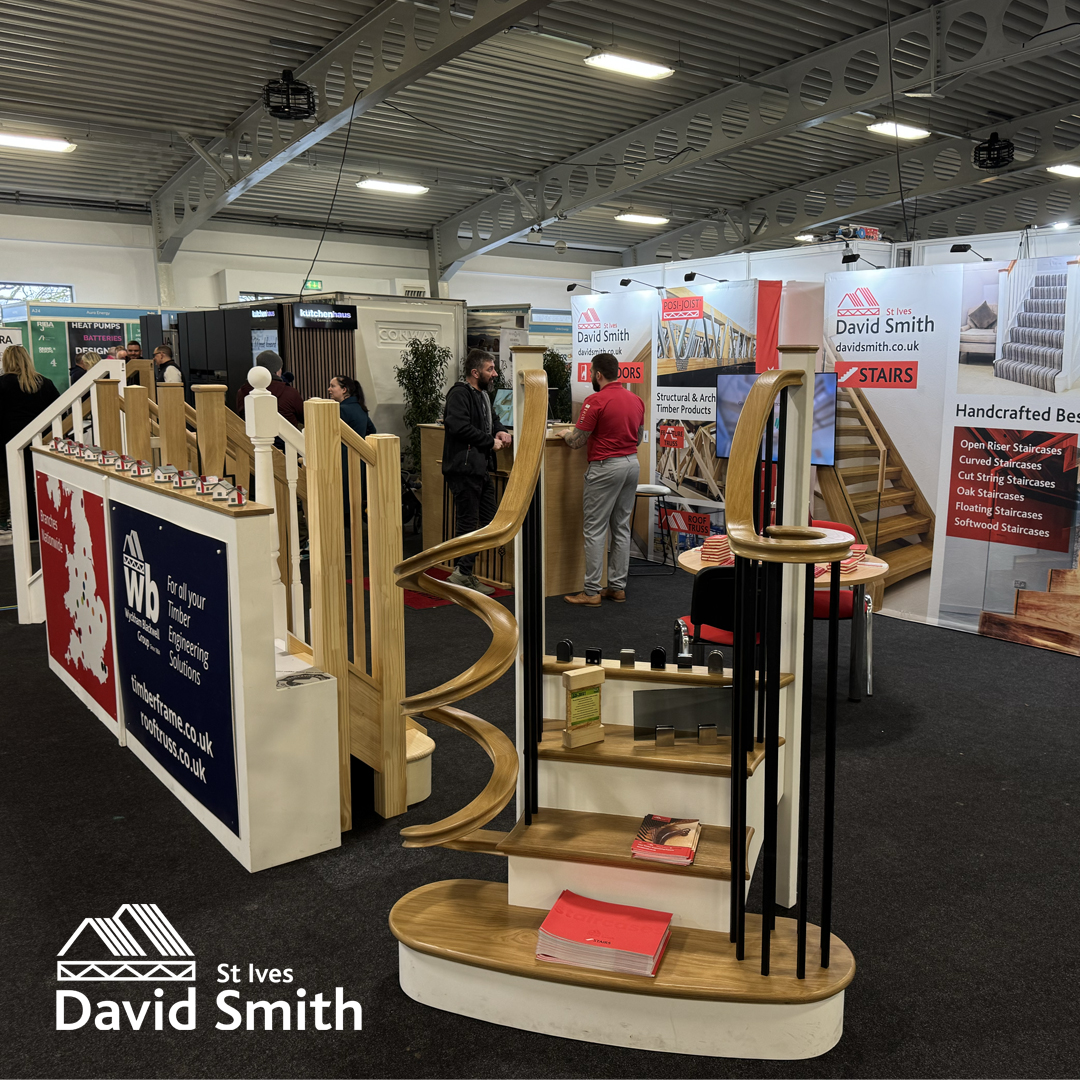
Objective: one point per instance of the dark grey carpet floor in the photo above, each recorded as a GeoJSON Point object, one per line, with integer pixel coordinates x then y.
{"type": "Point", "coordinates": [956, 881]}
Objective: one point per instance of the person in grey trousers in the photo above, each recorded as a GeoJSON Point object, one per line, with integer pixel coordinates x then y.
{"type": "Point", "coordinates": [610, 423]}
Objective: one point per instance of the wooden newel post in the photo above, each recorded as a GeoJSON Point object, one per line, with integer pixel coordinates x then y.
{"type": "Point", "coordinates": [210, 427]}
{"type": "Point", "coordinates": [261, 423]}
{"type": "Point", "coordinates": [106, 412]}
{"type": "Point", "coordinates": [387, 619]}
{"type": "Point", "coordinates": [172, 425]}
{"type": "Point", "coordinates": [326, 525]}
{"type": "Point", "coordinates": [137, 422]}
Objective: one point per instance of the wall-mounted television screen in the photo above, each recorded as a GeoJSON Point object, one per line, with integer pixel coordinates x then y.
{"type": "Point", "coordinates": [306, 316]}
{"type": "Point", "coordinates": [731, 394]}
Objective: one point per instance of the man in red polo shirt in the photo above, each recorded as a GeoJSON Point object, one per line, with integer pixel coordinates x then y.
{"type": "Point", "coordinates": [611, 423]}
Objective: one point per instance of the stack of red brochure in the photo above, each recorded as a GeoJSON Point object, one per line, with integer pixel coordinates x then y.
{"type": "Point", "coordinates": [606, 937]}
{"type": "Point", "coordinates": [848, 565]}
{"type": "Point", "coordinates": [664, 839]}
{"type": "Point", "coordinates": [717, 550]}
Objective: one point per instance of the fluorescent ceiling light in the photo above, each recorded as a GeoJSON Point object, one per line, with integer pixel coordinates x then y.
{"type": "Point", "coordinates": [627, 65]}
{"type": "Point", "coordinates": [806, 238]}
{"type": "Point", "coordinates": [897, 131]}
{"type": "Point", "coordinates": [1062, 224]}
{"type": "Point", "coordinates": [642, 219]}
{"type": "Point", "coordinates": [1065, 170]}
{"type": "Point", "coordinates": [36, 142]}
{"type": "Point", "coordinates": [396, 187]}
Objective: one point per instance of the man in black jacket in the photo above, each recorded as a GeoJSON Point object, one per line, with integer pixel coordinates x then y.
{"type": "Point", "coordinates": [473, 435]}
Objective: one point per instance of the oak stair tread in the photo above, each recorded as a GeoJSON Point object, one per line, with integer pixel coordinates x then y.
{"type": "Point", "coordinates": [619, 749]}
{"type": "Point", "coordinates": [1012, 628]}
{"type": "Point", "coordinates": [699, 675]}
{"type": "Point", "coordinates": [856, 452]}
{"type": "Point", "coordinates": [893, 528]}
{"type": "Point", "coordinates": [858, 474]}
{"type": "Point", "coordinates": [852, 429]}
{"type": "Point", "coordinates": [605, 839]}
{"type": "Point", "coordinates": [905, 561]}
{"type": "Point", "coordinates": [1059, 611]}
{"type": "Point", "coordinates": [866, 502]}
{"type": "Point", "coordinates": [1065, 581]}
{"type": "Point", "coordinates": [470, 922]}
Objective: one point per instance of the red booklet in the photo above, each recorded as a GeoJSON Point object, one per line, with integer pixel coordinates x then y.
{"type": "Point", "coordinates": [609, 937]}
{"type": "Point", "coordinates": [664, 839]}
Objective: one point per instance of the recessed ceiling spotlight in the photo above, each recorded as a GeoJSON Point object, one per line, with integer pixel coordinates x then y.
{"type": "Point", "coordinates": [609, 60]}
{"type": "Point", "coordinates": [642, 219]}
{"type": "Point", "coordinates": [395, 187]}
{"type": "Point", "coordinates": [806, 238]}
{"type": "Point", "coordinates": [1065, 170]}
{"type": "Point", "coordinates": [897, 131]}
{"type": "Point", "coordinates": [1062, 224]}
{"type": "Point", "coordinates": [37, 142]}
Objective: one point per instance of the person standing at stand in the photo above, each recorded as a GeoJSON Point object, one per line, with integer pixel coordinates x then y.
{"type": "Point", "coordinates": [611, 423]}
{"type": "Point", "coordinates": [472, 437]}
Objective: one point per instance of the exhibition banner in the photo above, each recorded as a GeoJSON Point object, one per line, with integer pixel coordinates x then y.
{"type": "Point", "coordinates": [973, 374]}
{"type": "Point", "coordinates": [91, 336]}
{"type": "Point", "coordinates": [171, 590]}
{"type": "Point", "coordinates": [75, 574]}
{"type": "Point", "coordinates": [616, 323]}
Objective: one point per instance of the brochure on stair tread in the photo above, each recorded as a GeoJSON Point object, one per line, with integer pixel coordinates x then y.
{"type": "Point", "coordinates": [664, 839]}
{"type": "Point", "coordinates": [588, 933]}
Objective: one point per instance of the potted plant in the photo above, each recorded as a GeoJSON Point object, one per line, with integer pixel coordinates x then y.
{"type": "Point", "coordinates": [421, 376]}
{"type": "Point", "coordinates": [557, 367]}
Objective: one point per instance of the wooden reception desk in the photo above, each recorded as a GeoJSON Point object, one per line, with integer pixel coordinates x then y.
{"type": "Point", "coordinates": [564, 479]}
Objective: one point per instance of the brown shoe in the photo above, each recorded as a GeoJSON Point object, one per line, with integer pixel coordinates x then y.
{"type": "Point", "coordinates": [618, 595]}
{"type": "Point", "coordinates": [584, 599]}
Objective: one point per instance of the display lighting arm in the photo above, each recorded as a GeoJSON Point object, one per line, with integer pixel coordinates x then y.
{"type": "Point", "coordinates": [627, 280]}
{"type": "Point", "coordinates": [588, 288]}
{"type": "Point", "coordinates": [959, 249]}
{"type": "Point", "coordinates": [697, 273]}
{"type": "Point", "coordinates": [854, 257]}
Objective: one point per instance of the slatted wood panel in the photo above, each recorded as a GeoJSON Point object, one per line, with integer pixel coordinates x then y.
{"type": "Point", "coordinates": [316, 356]}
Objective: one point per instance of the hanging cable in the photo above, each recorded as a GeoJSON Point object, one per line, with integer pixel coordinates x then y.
{"type": "Point", "coordinates": [892, 105]}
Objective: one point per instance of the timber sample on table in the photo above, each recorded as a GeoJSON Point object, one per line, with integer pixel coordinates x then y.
{"type": "Point", "coordinates": [564, 520]}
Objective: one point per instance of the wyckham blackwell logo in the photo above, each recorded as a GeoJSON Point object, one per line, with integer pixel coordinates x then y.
{"type": "Point", "coordinates": [858, 304]}
{"type": "Point", "coordinates": [139, 586]}
{"type": "Point", "coordinates": [139, 945]}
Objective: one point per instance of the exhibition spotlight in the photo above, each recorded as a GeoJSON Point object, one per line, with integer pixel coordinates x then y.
{"type": "Point", "coordinates": [627, 280]}
{"type": "Point", "coordinates": [36, 142]}
{"type": "Point", "coordinates": [588, 288]}
{"type": "Point", "coordinates": [853, 257]}
{"type": "Point", "coordinates": [1062, 224]}
{"type": "Point", "coordinates": [609, 60]}
{"type": "Point", "coordinates": [806, 238]}
{"type": "Point", "coordinates": [959, 249]}
{"type": "Point", "coordinates": [1072, 171]}
{"type": "Point", "coordinates": [897, 131]}
{"type": "Point", "coordinates": [697, 273]}
{"type": "Point", "coordinates": [642, 219]}
{"type": "Point", "coordinates": [394, 187]}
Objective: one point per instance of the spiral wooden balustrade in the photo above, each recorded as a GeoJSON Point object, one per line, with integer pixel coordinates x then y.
{"type": "Point", "coordinates": [437, 703]}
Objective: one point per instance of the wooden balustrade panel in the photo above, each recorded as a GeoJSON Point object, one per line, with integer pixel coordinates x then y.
{"type": "Point", "coordinates": [172, 423]}
{"type": "Point", "coordinates": [109, 432]}
{"type": "Point", "coordinates": [210, 428]}
{"type": "Point", "coordinates": [137, 422]}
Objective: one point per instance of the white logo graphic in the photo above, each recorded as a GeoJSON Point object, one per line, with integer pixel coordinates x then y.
{"type": "Point", "coordinates": [138, 584]}
{"type": "Point", "coordinates": [129, 946]}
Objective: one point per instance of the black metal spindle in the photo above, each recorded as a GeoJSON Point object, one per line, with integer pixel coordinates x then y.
{"type": "Point", "coordinates": [802, 874]}
{"type": "Point", "coordinates": [771, 636]}
{"type": "Point", "coordinates": [761, 592]}
{"type": "Point", "coordinates": [531, 618]}
{"type": "Point", "coordinates": [738, 692]}
{"type": "Point", "coordinates": [830, 762]}
{"type": "Point", "coordinates": [781, 455]}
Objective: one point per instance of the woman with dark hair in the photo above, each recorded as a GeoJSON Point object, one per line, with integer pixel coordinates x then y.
{"type": "Point", "coordinates": [349, 394]}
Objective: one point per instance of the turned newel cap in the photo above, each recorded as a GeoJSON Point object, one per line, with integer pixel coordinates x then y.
{"type": "Point", "coordinates": [259, 377]}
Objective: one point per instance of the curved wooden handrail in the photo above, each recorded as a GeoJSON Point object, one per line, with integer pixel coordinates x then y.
{"type": "Point", "coordinates": [501, 652]}
{"type": "Point", "coordinates": [781, 543]}
{"type": "Point", "coordinates": [497, 792]}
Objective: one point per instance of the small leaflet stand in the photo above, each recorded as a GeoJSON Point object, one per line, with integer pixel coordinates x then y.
{"type": "Point", "coordinates": [583, 690]}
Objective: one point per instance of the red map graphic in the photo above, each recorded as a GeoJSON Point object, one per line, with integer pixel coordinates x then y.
{"type": "Point", "coordinates": [75, 572]}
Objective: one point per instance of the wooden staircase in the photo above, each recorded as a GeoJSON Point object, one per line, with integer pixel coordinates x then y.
{"type": "Point", "coordinates": [1048, 620]}
{"type": "Point", "coordinates": [871, 489]}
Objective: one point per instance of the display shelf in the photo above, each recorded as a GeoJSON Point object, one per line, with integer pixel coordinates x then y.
{"type": "Point", "coordinates": [605, 839]}
{"type": "Point", "coordinates": [470, 922]}
{"type": "Point", "coordinates": [619, 749]}
{"type": "Point", "coordinates": [643, 672]}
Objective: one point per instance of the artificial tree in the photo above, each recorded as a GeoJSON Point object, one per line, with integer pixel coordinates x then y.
{"type": "Point", "coordinates": [421, 376]}
{"type": "Point", "coordinates": [557, 367]}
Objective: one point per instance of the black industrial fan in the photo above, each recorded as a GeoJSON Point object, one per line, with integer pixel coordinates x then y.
{"type": "Point", "coordinates": [995, 153]}
{"type": "Point", "coordinates": [288, 99]}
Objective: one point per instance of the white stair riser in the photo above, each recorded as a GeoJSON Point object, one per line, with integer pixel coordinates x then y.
{"type": "Point", "coordinates": [701, 903]}
{"type": "Point", "coordinates": [637, 1021]}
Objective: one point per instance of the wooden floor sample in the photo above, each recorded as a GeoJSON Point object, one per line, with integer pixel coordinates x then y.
{"type": "Point", "coordinates": [470, 922]}
{"type": "Point", "coordinates": [605, 839]}
{"type": "Point", "coordinates": [619, 748]}
{"type": "Point", "coordinates": [1011, 628]}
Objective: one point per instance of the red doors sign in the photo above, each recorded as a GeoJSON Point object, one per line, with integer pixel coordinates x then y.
{"type": "Point", "coordinates": [878, 374]}
{"type": "Point", "coordinates": [628, 373]}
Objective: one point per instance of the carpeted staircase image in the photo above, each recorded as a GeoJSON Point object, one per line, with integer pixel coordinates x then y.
{"type": "Point", "coordinates": [1033, 351]}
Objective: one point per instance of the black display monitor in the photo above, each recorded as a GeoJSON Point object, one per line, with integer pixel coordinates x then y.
{"type": "Point", "coordinates": [731, 394]}
{"type": "Point", "coordinates": [308, 316]}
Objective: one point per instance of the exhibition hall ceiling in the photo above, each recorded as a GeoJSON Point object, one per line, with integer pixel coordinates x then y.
{"type": "Point", "coordinates": [127, 82]}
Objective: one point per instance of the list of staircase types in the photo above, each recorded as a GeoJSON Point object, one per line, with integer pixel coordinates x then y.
{"type": "Point", "coordinates": [1013, 487]}
{"type": "Point", "coordinates": [1035, 342]}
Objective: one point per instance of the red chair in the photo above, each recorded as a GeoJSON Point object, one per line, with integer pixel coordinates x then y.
{"type": "Point", "coordinates": [848, 598]}
{"type": "Point", "coordinates": [712, 611]}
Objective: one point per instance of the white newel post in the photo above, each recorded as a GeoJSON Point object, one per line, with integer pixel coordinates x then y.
{"type": "Point", "coordinates": [261, 423]}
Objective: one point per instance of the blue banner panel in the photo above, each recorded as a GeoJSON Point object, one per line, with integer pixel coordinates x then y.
{"type": "Point", "coordinates": [171, 598]}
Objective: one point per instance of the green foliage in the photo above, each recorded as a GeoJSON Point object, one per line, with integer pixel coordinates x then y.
{"type": "Point", "coordinates": [557, 367]}
{"type": "Point", "coordinates": [421, 376]}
